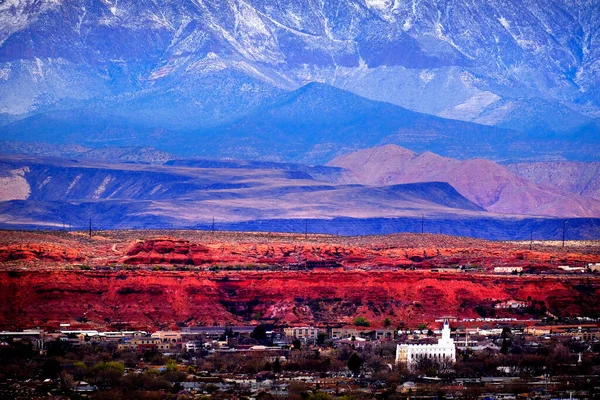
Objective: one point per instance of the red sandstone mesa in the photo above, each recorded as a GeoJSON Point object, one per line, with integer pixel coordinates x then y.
{"type": "Point", "coordinates": [53, 287]}
{"type": "Point", "coordinates": [157, 299]}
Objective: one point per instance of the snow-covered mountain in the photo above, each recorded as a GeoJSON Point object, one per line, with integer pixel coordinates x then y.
{"type": "Point", "coordinates": [530, 65]}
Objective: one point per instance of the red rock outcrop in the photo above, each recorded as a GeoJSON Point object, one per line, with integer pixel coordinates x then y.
{"type": "Point", "coordinates": [372, 280]}
{"type": "Point", "coordinates": [159, 299]}
{"type": "Point", "coordinates": [39, 252]}
{"type": "Point", "coordinates": [166, 251]}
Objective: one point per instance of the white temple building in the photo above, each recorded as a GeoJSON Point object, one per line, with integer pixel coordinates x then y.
{"type": "Point", "coordinates": [444, 350]}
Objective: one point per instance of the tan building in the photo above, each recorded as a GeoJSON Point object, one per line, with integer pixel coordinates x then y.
{"type": "Point", "coordinates": [582, 332]}
{"type": "Point", "coordinates": [146, 343]}
{"type": "Point", "coordinates": [594, 267]}
{"type": "Point", "coordinates": [302, 332]}
{"type": "Point", "coordinates": [168, 336]}
{"type": "Point", "coordinates": [344, 333]}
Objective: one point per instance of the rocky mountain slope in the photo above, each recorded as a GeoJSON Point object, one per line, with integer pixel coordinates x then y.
{"type": "Point", "coordinates": [486, 183]}
{"type": "Point", "coordinates": [177, 65]}
{"type": "Point", "coordinates": [572, 177]}
{"type": "Point", "coordinates": [312, 124]}
{"type": "Point", "coordinates": [147, 155]}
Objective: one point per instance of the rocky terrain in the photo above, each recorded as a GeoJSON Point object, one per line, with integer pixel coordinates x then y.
{"type": "Point", "coordinates": [556, 189]}
{"type": "Point", "coordinates": [148, 280]}
{"type": "Point", "coordinates": [146, 155]}
{"type": "Point", "coordinates": [566, 176]}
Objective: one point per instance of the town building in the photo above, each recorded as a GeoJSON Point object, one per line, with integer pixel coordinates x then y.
{"type": "Point", "coordinates": [143, 344]}
{"type": "Point", "coordinates": [193, 346]}
{"type": "Point", "coordinates": [303, 332]}
{"type": "Point", "coordinates": [508, 270]}
{"type": "Point", "coordinates": [167, 336]}
{"type": "Point", "coordinates": [443, 351]}
{"type": "Point", "coordinates": [594, 267]}
{"type": "Point", "coordinates": [343, 333]}
{"type": "Point", "coordinates": [568, 268]}
{"type": "Point", "coordinates": [512, 304]}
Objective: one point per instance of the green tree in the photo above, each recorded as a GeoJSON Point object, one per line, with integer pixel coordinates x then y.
{"type": "Point", "coordinates": [297, 344]}
{"type": "Point", "coordinates": [107, 373]}
{"type": "Point", "coordinates": [277, 365]}
{"type": "Point", "coordinates": [51, 368]}
{"type": "Point", "coordinates": [354, 363]}
{"type": "Point", "coordinates": [321, 338]}
{"type": "Point", "coordinates": [259, 333]}
{"type": "Point", "coordinates": [387, 322]}
{"type": "Point", "coordinates": [361, 321]}
{"type": "Point", "coordinates": [318, 396]}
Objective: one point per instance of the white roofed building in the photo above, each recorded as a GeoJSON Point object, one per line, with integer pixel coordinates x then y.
{"type": "Point", "coordinates": [443, 351]}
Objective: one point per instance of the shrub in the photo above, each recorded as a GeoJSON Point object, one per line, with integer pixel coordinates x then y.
{"type": "Point", "coordinates": [361, 321]}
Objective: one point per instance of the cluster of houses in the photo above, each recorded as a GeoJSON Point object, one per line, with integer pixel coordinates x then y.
{"type": "Point", "coordinates": [589, 268]}
{"type": "Point", "coordinates": [411, 344]}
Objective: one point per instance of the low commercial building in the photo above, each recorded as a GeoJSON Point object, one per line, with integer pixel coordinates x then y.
{"type": "Point", "coordinates": [168, 336]}
{"type": "Point", "coordinates": [508, 270]}
{"type": "Point", "coordinates": [143, 344]}
{"type": "Point", "coordinates": [594, 267]}
{"type": "Point", "coordinates": [302, 332]}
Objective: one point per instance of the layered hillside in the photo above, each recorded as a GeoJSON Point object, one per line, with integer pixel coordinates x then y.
{"type": "Point", "coordinates": [143, 280]}
{"type": "Point", "coordinates": [57, 193]}
{"type": "Point", "coordinates": [47, 191]}
{"type": "Point", "coordinates": [490, 185]}
{"type": "Point", "coordinates": [566, 176]}
{"type": "Point", "coordinates": [154, 300]}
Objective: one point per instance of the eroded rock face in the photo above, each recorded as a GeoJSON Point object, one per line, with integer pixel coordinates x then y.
{"type": "Point", "coordinates": [159, 299]}
{"type": "Point", "coordinates": [39, 252]}
{"type": "Point", "coordinates": [169, 251]}
{"type": "Point", "coordinates": [43, 286]}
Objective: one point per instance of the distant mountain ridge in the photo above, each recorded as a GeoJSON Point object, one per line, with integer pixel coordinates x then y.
{"type": "Point", "coordinates": [486, 183]}
{"type": "Point", "coordinates": [132, 195]}
{"type": "Point", "coordinates": [182, 67]}
{"type": "Point", "coordinates": [55, 193]}
{"type": "Point", "coordinates": [116, 154]}
{"type": "Point", "coordinates": [312, 124]}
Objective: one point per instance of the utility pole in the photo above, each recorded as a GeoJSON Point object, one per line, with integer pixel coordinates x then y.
{"type": "Point", "coordinates": [564, 226]}
{"type": "Point", "coordinates": [306, 229]}
{"type": "Point", "coordinates": [531, 240]}
{"type": "Point", "coordinates": [422, 223]}
{"type": "Point", "coordinates": [213, 226]}
{"type": "Point", "coordinates": [90, 228]}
